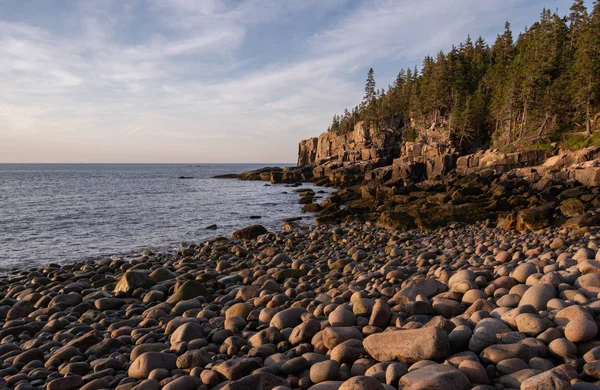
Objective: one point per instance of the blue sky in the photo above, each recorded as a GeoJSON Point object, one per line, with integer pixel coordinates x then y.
{"type": "Point", "coordinates": [210, 80]}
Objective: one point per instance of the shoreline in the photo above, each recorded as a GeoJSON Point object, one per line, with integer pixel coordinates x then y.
{"type": "Point", "coordinates": [314, 307]}
{"type": "Point", "coordinates": [364, 298]}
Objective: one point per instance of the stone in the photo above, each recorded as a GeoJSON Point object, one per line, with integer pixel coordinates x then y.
{"type": "Point", "coordinates": [288, 318]}
{"type": "Point", "coordinates": [523, 271]}
{"type": "Point", "coordinates": [572, 207]}
{"type": "Point", "coordinates": [394, 372]}
{"type": "Point", "coordinates": [71, 382]}
{"type": "Point", "coordinates": [327, 370]}
{"type": "Point", "coordinates": [592, 369]}
{"type": "Point", "coordinates": [347, 351]}
{"type": "Point", "coordinates": [580, 330]}
{"type": "Point", "coordinates": [555, 379]}
{"type": "Point", "coordinates": [187, 332]}
{"type": "Point", "coordinates": [426, 287]}
{"type": "Point", "coordinates": [241, 309]}
{"type": "Point", "coordinates": [435, 376]}
{"type": "Point", "coordinates": [562, 347]}
{"type": "Point", "coordinates": [270, 335]}
{"type": "Point", "coordinates": [188, 290]}
{"type": "Point", "coordinates": [148, 347]}
{"type": "Point", "coordinates": [341, 317]}
{"type": "Point", "coordinates": [260, 381]}
{"type": "Point", "coordinates": [409, 346]}
{"type": "Point", "coordinates": [193, 358]}
{"type": "Point", "coordinates": [132, 280]}
{"type": "Point", "coordinates": [499, 352]}
{"type": "Point", "coordinates": [333, 336]}
{"type": "Point", "coordinates": [249, 232]}
{"type": "Point", "coordinates": [186, 382]}
{"type": "Point", "coordinates": [514, 380]}
{"type": "Point", "coordinates": [474, 371]}
{"type": "Point", "coordinates": [538, 296]}
{"type": "Point", "coordinates": [237, 368]}
{"type": "Point", "coordinates": [535, 218]}
{"type": "Point", "coordinates": [508, 366]}
{"type": "Point", "coordinates": [305, 331]}
{"type": "Point", "coordinates": [532, 324]}
{"type": "Point", "coordinates": [148, 361]}
{"type": "Point", "coordinates": [362, 383]}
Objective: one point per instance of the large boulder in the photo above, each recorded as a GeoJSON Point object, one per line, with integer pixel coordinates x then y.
{"type": "Point", "coordinates": [535, 218]}
{"type": "Point", "coordinates": [409, 346]}
{"type": "Point", "coordinates": [249, 232]}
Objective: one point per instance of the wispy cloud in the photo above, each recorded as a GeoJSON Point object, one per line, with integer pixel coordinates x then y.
{"type": "Point", "coordinates": [214, 80]}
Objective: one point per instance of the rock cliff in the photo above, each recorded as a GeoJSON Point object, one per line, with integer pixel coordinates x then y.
{"type": "Point", "coordinates": [365, 143]}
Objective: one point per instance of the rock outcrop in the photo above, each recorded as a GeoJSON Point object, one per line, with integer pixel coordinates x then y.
{"type": "Point", "coordinates": [365, 143]}
{"type": "Point", "coordinates": [424, 161]}
{"type": "Point", "coordinates": [427, 184]}
{"type": "Point", "coordinates": [499, 161]}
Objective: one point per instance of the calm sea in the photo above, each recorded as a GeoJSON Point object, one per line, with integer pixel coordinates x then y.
{"type": "Point", "coordinates": [71, 212]}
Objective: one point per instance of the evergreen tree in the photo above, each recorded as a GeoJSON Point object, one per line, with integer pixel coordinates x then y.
{"type": "Point", "coordinates": [577, 19]}
{"type": "Point", "coordinates": [534, 88]}
{"type": "Point", "coordinates": [587, 67]}
{"type": "Point", "coordinates": [369, 87]}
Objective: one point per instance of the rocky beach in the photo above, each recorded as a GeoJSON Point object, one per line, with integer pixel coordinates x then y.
{"type": "Point", "coordinates": [436, 271]}
{"type": "Point", "coordinates": [348, 306]}
{"type": "Point", "coordinates": [442, 233]}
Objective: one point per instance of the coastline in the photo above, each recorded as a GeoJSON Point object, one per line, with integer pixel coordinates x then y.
{"type": "Point", "coordinates": [307, 308]}
{"type": "Point", "coordinates": [356, 301]}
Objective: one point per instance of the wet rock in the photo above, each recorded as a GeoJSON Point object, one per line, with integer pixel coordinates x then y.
{"type": "Point", "coordinates": [249, 232]}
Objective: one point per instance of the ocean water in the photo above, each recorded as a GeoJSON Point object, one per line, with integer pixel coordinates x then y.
{"type": "Point", "coordinates": [71, 212]}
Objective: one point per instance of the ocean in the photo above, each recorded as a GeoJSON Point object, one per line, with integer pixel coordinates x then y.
{"type": "Point", "coordinates": [62, 213]}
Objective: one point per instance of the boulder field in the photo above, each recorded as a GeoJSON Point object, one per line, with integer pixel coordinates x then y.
{"type": "Point", "coordinates": [344, 306]}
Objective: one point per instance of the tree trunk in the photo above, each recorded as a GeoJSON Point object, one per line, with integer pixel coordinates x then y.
{"type": "Point", "coordinates": [524, 124]}
{"type": "Point", "coordinates": [588, 125]}
{"type": "Point", "coordinates": [510, 127]}
{"type": "Point", "coordinates": [496, 124]}
{"type": "Point", "coordinates": [543, 125]}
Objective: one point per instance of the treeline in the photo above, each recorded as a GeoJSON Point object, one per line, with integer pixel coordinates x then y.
{"type": "Point", "coordinates": [534, 88]}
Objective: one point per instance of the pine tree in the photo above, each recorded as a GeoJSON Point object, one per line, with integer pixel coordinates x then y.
{"type": "Point", "coordinates": [587, 66]}
{"type": "Point", "coordinates": [516, 91]}
{"type": "Point", "coordinates": [369, 87]}
{"type": "Point", "coordinates": [577, 19]}
{"type": "Point", "coordinates": [500, 82]}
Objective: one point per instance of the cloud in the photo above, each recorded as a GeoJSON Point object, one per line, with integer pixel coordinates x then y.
{"type": "Point", "coordinates": [214, 80]}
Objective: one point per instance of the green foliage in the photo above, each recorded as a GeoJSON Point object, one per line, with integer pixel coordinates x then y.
{"type": "Point", "coordinates": [516, 92]}
{"type": "Point", "coordinates": [539, 146]}
{"type": "Point", "coordinates": [410, 134]}
{"type": "Point", "coordinates": [580, 141]}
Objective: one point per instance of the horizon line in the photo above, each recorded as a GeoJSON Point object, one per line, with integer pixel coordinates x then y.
{"type": "Point", "coordinates": [148, 163]}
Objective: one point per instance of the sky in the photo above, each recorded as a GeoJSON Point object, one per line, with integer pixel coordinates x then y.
{"type": "Point", "coordinates": [211, 81]}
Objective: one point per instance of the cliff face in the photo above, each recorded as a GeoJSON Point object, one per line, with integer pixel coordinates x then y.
{"type": "Point", "coordinates": [362, 144]}
{"type": "Point", "coordinates": [368, 154]}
